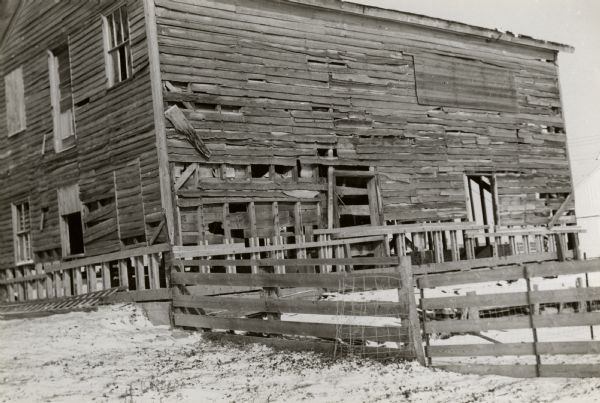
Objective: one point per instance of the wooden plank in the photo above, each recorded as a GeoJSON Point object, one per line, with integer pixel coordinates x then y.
{"type": "Point", "coordinates": [106, 280]}
{"type": "Point", "coordinates": [123, 274]}
{"type": "Point", "coordinates": [140, 278]}
{"type": "Point", "coordinates": [406, 294]}
{"type": "Point", "coordinates": [514, 298]}
{"type": "Point", "coordinates": [161, 294]}
{"type": "Point", "coordinates": [159, 119]}
{"type": "Point", "coordinates": [509, 273]}
{"type": "Point", "coordinates": [183, 252]}
{"type": "Point", "coordinates": [367, 230]}
{"type": "Point", "coordinates": [154, 270]}
{"type": "Point", "coordinates": [106, 257]}
{"type": "Point", "coordinates": [367, 261]}
{"type": "Point", "coordinates": [477, 350]}
{"type": "Point", "coordinates": [321, 347]}
{"type": "Point", "coordinates": [570, 370]}
{"type": "Point", "coordinates": [340, 281]}
{"type": "Point", "coordinates": [526, 371]}
{"type": "Point", "coordinates": [520, 322]}
{"type": "Point", "coordinates": [515, 371]}
{"type": "Point", "coordinates": [324, 330]}
{"type": "Point", "coordinates": [561, 210]}
{"type": "Point", "coordinates": [240, 304]}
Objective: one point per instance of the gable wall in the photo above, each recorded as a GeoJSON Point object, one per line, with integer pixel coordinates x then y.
{"type": "Point", "coordinates": [274, 82]}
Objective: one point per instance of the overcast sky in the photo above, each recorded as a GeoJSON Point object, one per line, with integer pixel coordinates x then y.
{"type": "Point", "coordinates": [573, 22]}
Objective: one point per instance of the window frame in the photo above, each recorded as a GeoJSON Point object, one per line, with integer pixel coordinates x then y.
{"type": "Point", "coordinates": [14, 79]}
{"type": "Point", "coordinates": [22, 256]}
{"type": "Point", "coordinates": [111, 53]}
{"type": "Point", "coordinates": [60, 143]}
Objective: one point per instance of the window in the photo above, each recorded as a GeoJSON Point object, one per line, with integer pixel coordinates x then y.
{"type": "Point", "coordinates": [71, 227]}
{"type": "Point", "coordinates": [117, 46]}
{"type": "Point", "coordinates": [22, 232]}
{"type": "Point", "coordinates": [62, 98]}
{"type": "Point", "coordinates": [15, 101]}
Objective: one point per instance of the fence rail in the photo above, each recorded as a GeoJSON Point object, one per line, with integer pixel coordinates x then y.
{"type": "Point", "coordinates": [474, 314]}
{"type": "Point", "coordinates": [332, 326]}
{"type": "Point", "coordinates": [131, 269]}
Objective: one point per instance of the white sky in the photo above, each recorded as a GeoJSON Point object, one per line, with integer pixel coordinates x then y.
{"type": "Point", "coordinates": [573, 22]}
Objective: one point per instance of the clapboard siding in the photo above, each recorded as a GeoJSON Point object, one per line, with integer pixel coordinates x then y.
{"type": "Point", "coordinates": [295, 79]}
{"type": "Point", "coordinates": [114, 127]}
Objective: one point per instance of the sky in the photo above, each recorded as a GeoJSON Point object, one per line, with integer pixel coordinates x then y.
{"type": "Point", "coordinates": [572, 22]}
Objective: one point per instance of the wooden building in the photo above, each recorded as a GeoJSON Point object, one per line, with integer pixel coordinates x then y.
{"type": "Point", "coordinates": [141, 125]}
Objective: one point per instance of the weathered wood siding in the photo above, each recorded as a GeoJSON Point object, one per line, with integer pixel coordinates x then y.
{"type": "Point", "coordinates": [114, 128]}
{"type": "Point", "coordinates": [270, 82]}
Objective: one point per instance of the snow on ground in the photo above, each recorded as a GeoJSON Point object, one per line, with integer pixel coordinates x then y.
{"type": "Point", "coordinates": [116, 355]}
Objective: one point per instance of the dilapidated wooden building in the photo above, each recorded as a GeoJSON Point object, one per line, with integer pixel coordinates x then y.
{"type": "Point", "coordinates": [131, 128]}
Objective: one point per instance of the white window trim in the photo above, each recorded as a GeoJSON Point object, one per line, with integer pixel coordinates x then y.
{"type": "Point", "coordinates": [17, 233]}
{"type": "Point", "coordinates": [108, 63]}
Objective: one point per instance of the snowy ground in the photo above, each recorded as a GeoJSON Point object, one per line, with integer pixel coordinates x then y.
{"type": "Point", "coordinates": [115, 354]}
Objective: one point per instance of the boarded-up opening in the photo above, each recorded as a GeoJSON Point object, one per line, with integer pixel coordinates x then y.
{"type": "Point", "coordinates": [61, 97]}
{"type": "Point", "coordinates": [452, 81]}
{"type": "Point", "coordinates": [15, 101]}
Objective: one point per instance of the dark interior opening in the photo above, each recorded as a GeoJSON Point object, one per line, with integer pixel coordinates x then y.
{"type": "Point", "coordinates": [75, 233]}
{"type": "Point", "coordinates": [352, 220]}
{"type": "Point", "coordinates": [237, 207]}
{"type": "Point", "coordinates": [259, 171]}
{"type": "Point", "coordinates": [216, 228]}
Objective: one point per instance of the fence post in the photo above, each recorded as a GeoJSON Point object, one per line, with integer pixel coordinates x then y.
{"type": "Point", "coordinates": [406, 293]}
{"type": "Point", "coordinates": [538, 361]}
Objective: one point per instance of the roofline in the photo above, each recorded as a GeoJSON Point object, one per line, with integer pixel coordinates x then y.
{"type": "Point", "coordinates": [435, 23]}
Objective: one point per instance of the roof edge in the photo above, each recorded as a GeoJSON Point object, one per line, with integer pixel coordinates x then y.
{"type": "Point", "coordinates": [435, 23]}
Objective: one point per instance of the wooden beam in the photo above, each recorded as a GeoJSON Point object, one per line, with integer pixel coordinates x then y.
{"type": "Point", "coordinates": [560, 211]}
{"type": "Point", "coordinates": [159, 120]}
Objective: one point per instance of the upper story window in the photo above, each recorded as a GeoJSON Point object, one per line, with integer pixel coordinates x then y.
{"type": "Point", "coordinates": [117, 47]}
{"type": "Point", "coordinates": [15, 101]}
{"type": "Point", "coordinates": [62, 98]}
{"type": "Point", "coordinates": [22, 232]}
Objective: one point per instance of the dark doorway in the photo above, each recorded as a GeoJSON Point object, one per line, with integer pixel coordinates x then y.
{"type": "Point", "coordinates": [75, 230]}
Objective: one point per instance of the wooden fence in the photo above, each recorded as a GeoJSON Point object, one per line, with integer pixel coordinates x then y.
{"type": "Point", "coordinates": [131, 269]}
{"type": "Point", "coordinates": [374, 328]}
{"type": "Point", "coordinates": [533, 309]}
{"type": "Point", "coordinates": [433, 247]}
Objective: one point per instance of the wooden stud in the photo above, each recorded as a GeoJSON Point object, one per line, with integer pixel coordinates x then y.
{"type": "Point", "coordinates": [105, 273]}
{"type": "Point", "coordinates": [67, 279]}
{"type": "Point", "coordinates": [91, 278]}
{"type": "Point", "coordinates": [77, 281]}
{"type": "Point", "coordinates": [123, 274]}
{"type": "Point", "coordinates": [140, 273]}
{"type": "Point", "coordinates": [154, 270]}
